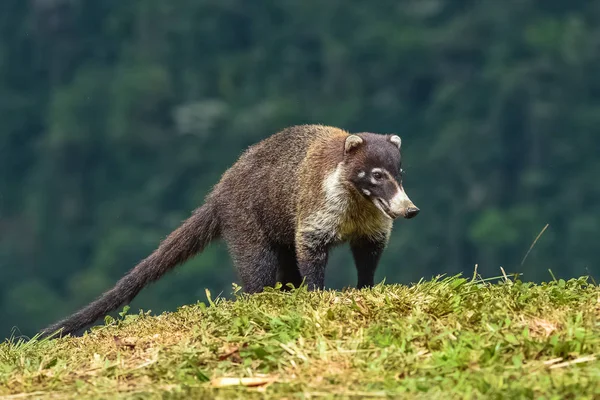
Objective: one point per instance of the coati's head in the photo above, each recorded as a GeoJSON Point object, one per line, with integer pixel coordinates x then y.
{"type": "Point", "coordinates": [374, 167]}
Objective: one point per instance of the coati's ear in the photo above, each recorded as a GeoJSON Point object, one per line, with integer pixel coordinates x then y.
{"type": "Point", "coordinates": [396, 140]}
{"type": "Point", "coordinates": [352, 141]}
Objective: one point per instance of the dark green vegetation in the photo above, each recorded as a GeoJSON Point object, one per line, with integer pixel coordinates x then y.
{"type": "Point", "coordinates": [117, 117]}
{"type": "Point", "coordinates": [445, 338]}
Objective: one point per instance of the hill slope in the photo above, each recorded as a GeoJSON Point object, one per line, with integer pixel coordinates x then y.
{"type": "Point", "coordinates": [450, 338]}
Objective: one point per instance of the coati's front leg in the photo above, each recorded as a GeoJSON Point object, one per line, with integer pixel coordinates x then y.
{"type": "Point", "coordinates": [312, 251]}
{"type": "Point", "coordinates": [366, 252]}
{"type": "Point", "coordinates": [287, 269]}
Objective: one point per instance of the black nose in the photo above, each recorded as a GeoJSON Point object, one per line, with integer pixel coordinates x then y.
{"type": "Point", "coordinates": [412, 212]}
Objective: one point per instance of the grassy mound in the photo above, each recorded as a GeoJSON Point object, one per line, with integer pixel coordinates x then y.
{"type": "Point", "coordinates": [444, 338]}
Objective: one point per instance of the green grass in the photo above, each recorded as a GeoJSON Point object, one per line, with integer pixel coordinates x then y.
{"type": "Point", "coordinates": [444, 338]}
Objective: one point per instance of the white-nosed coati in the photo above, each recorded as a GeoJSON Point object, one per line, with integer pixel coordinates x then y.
{"type": "Point", "coordinates": [280, 208]}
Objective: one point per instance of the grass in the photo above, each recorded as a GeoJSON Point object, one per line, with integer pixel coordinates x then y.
{"type": "Point", "coordinates": [445, 338]}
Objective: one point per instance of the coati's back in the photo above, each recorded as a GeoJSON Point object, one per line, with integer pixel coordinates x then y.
{"type": "Point", "coordinates": [261, 188]}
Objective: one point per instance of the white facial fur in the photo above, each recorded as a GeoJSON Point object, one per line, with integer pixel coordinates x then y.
{"type": "Point", "coordinates": [340, 216]}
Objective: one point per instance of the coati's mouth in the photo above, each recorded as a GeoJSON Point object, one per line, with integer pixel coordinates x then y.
{"type": "Point", "coordinates": [384, 207]}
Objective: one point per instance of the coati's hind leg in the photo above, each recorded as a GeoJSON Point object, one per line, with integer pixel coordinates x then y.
{"type": "Point", "coordinates": [255, 260]}
{"type": "Point", "coordinates": [287, 270]}
{"type": "Point", "coordinates": [366, 252]}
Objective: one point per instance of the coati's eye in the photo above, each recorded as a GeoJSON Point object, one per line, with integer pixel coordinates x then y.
{"type": "Point", "coordinates": [377, 175]}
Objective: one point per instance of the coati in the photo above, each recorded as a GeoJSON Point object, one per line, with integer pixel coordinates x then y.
{"type": "Point", "coordinates": [287, 200]}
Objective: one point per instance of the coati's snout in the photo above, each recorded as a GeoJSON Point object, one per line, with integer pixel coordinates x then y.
{"type": "Point", "coordinates": [390, 198]}
{"type": "Point", "coordinates": [374, 168]}
{"type": "Point", "coordinates": [398, 206]}
{"type": "Point", "coordinates": [412, 212]}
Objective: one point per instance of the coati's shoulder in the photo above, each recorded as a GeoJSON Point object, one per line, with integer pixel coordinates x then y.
{"type": "Point", "coordinates": [299, 138]}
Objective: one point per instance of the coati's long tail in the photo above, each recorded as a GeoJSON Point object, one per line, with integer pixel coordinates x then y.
{"type": "Point", "coordinates": [187, 240]}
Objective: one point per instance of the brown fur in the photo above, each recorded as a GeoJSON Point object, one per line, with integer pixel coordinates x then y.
{"type": "Point", "coordinates": [279, 208]}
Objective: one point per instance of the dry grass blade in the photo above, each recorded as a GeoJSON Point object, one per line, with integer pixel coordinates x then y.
{"type": "Point", "coordinates": [575, 361]}
{"type": "Point", "coordinates": [346, 393]}
{"type": "Point", "coordinates": [22, 395]}
{"type": "Point", "coordinates": [247, 381]}
{"type": "Point", "coordinates": [533, 244]}
{"type": "Point", "coordinates": [553, 361]}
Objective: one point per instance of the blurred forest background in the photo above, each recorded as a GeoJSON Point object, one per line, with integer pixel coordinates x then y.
{"type": "Point", "coordinates": [117, 117]}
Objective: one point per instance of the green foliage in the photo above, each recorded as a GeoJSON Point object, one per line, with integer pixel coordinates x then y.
{"type": "Point", "coordinates": [449, 337]}
{"type": "Point", "coordinates": [119, 116]}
